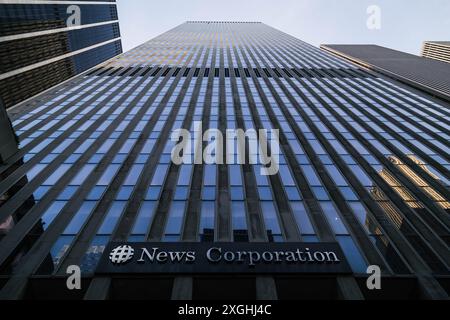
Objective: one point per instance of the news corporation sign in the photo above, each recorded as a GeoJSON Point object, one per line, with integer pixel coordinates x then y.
{"type": "Point", "coordinates": [222, 258]}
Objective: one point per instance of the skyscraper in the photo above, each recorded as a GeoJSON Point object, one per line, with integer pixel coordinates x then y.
{"type": "Point", "coordinates": [438, 50]}
{"type": "Point", "coordinates": [44, 43]}
{"type": "Point", "coordinates": [362, 177]}
{"type": "Point", "coordinates": [427, 75]}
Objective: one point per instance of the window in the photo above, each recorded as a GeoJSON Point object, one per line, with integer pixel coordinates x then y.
{"type": "Point", "coordinates": [293, 194]}
{"type": "Point", "coordinates": [238, 213]}
{"type": "Point", "coordinates": [181, 193]}
{"type": "Point", "coordinates": [112, 216]}
{"type": "Point", "coordinates": [333, 218]}
{"type": "Point", "coordinates": [270, 217]}
{"type": "Point", "coordinates": [264, 193]}
{"type": "Point", "coordinates": [134, 174]}
{"type": "Point", "coordinates": [175, 218]}
{"type": "Point", "coordinates": [67, 193]}
{"type": "Point", "coordinates": [336, 175]}
{"type": "Point", "coordinates": [302, 218]}
{"type": "Point", "coordinates": [57, 174]}
{"type": "Point", "coordinates": [207, 217]}
{"type": "Point", "coordinates": [82, 174]}
{"type": "Point", "coordinates": [209, 193]}
{"type": "Point", "coordinates": [160, 175]}
{"type": "Point", "coordinates": [144, 217]}
{"type": "Point", "coordinates": [320, 193]}
{"type": "Point", "coordinates": [51, 213]}
{"type": "Point", "coordinates": [353, 255]}
{"type": "Point", "coordinates": [236, 193]}
{"type": "Point", "coordinates": [124, 193]}
{"type": "Point", "coordinates": [96, 193]}
{"type": "Point", "coordinates": [80, 217]}
{"type": "Point", "coordinates": [311, 175]}
{"type": "Point", "coordinates": [348, 194]}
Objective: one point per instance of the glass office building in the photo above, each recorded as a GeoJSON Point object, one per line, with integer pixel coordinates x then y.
{"type": "Point", "coordinates": [428, 75]}
{"type": "Point", "coordinates": [438, 50]}
{"type": "Point", "coordinates": [43, 43]}
{"type": "Point", "coordinates": [364, 163]}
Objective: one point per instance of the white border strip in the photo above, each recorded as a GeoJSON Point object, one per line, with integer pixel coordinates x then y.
{"type": "Point", "coordinates": [53, 2]}
{"type": "Point", "coordinates": [43, 63]}
{"type": "Point", "coordinates": [51, 31]}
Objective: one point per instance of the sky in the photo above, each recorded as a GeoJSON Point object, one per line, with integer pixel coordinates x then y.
{"type": "Point", "coordinates": [403, 24]}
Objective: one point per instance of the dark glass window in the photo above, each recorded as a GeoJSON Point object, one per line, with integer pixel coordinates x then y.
{"type": "Point", "coordinates": [144, 217]}
{"type": "Point", "coordinates": [175, 219]}
{"type": "Point", "coordinates": [112, 216]}
{"type": "Point", "coordinates": [333, 217]}
{"type": "Point", "coordinates": [80, 217]}
{"type": "Point", "coordinates": [352, 253]}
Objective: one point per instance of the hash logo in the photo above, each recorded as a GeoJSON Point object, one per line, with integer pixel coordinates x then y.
{"type": "Point", "coordinates": [121, 254]}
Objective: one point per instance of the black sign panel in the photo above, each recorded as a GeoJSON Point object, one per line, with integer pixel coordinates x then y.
{"type": "Point", "coordinates": [225, 258]}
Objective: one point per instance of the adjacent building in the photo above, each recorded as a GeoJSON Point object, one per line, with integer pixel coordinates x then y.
{"type": "Point", "coordinates": [438, 50]}
{"type": "Point", "coordinates": [43, 43]}
{"type": "Point", "coordinates": [8, 140]}
{"type": "Point", "coordinates": [427, 75]}
{"type": "Point", "coordinates": [362, 177]}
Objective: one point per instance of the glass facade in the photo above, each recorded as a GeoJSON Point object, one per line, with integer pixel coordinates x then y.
{"type": "Point", "coordinates": [364, 161]}
{"type": "Point", "coordinates": [40, 48]}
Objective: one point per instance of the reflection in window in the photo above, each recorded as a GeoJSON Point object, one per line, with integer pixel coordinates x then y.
{"type": "Point", "coordinates": [236, 193]}
{"type": "Point", "coordinates": [175, 220]}
{"type": "Point", "coordinates": [80, 217]}
{"type": "Point", "coordinates": [239, 218]}
{"type": "Point", "coordinates": [333, 217]}
{"type": "Point", "coordinates": [96, 193]}
{"type": "Point", "coordinates": [320, 193]}
{"type": "Point", "coordinates": [67, 193]}
{"type": "Point", "coordinates": [311, 175]}
{"type": "Point", "coordinates": [108, 175]}
{"type": "Point", "coordinates": [82, 174]}
{"type": "Point", "coordinates": [112, 216]}
{"type": "Point", "coordinates": [51, 213]}
{"type": "Point", "coordinates": [60, 248]}
{"type": "Point", "coordinates": [302, 218]}
{"type": "Point", "coordinates": [265, 193]}
{"type": "Point", "coordinates": [207, 216]}
{"type": "Point", "coordinates": [124, 193]}
{"type": "Point", "coordinates": [134, 175]}
{"type": "Point", "coordinates": [271, 219]}
{"type": "Point", "coordinates": [40, 193]}
{"type": "Point", "coordinates": [35, 171]}
{"type": "Point", "coordinates": [144, 218]}
{"type": "Point", "coordinates": [56, 175]}
{"type": "Point", "coordinates": [352, 253]}
{"type": "Point", "coordinates": [94, 253]}
{"type": "Point", "coordinates": [181, 193]}
{"type": "Point", "coordinates": [209, 193]}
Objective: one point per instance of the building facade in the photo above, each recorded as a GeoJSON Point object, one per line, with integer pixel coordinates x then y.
{"type": "Point", "coordinates": [8, 139]}
{"type": "Point", "coordinates": [44, 43]}
{"type": "Point", "coordinates": [427, 75]}
{"type": "Point", "coordinates": [362, 167]}
{"type": "Point", "coordinates": [438, 50]}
